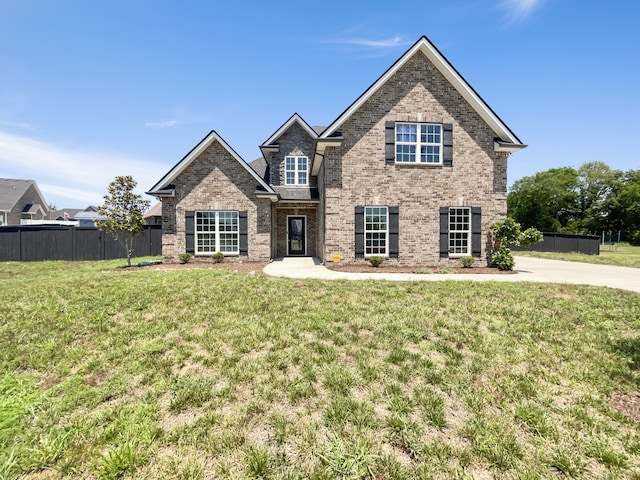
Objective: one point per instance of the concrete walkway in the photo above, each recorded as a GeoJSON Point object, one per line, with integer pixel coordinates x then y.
{"type": "Point", "coordinates": [529, 269]}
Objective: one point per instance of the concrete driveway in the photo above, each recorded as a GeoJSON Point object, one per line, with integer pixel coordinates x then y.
{"type": "Point", "coordinates": [528, 269]}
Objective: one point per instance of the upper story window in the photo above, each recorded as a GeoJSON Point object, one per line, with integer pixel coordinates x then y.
{"type": "Point", "coordinates": [296, 170]}
{"type": "Point", "coordinates": [419, 143]}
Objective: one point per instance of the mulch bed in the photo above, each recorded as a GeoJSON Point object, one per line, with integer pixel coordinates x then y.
{"type": "Point", "coordinates": [390, 268]}
{"type": "Point", "coordinates": [257, 267]}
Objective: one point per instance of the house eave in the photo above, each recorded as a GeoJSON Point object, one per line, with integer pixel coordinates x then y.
{"type": "Point", "coordinates": [502, 146]}
{"type": "Point", "coordinates": [169, 193]}
{"type": "Point", "coordinates": [270, 196]}
{"type": "Point", "coordinates": [321, 145]}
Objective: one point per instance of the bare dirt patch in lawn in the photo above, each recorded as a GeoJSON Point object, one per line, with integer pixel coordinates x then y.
{"type": "Point", "coordinates": [627, 403]}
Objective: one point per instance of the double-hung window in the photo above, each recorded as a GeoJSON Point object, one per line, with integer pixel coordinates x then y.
{"type": "Point", "coordinates": [217, 231]}
{"type": "Point", "coordinates": [376, 231]}
{"type": "Point", "coordinates": [419, 143]}
{"type": "Point", "coordinates": [459, 231]}
{"type": "Point", "coordinates": [296, 170]}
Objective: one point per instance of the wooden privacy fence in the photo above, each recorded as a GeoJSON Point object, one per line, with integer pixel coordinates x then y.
{"type": "Point", "coordinates": [565, 243]}
{"type": "Point", "coordinates": [32, 243]}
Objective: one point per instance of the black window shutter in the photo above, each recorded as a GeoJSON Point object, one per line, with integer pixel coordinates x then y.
{"type": "Point", "coordinates": [394, 230]}
{"type": "Point", "coordinates": [243, 230]}
{"type": "Point", "coordinates": [390, 142]}
{"type": "Point", "coordinates": [444, 232]}
{"type": "Point", "coordinates": [359, 225]}
{"type": "Point", "coordinates": [447, 144]}
{"type": "Point", "coordinates": [189, 231]}
{"type": "Point", "coordinates": [476, 231]}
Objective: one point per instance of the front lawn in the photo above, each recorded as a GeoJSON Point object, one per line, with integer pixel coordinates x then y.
{"type": "Point", "coordinates": [623, 256]}
{"type": "Point", "coordinates": [193, 374]}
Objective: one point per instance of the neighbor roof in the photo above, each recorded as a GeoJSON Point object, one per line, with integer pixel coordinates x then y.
{"type": "Point", "coordinates": [425, 47]}
{"type": "Point", "coordinates": [11, 190]}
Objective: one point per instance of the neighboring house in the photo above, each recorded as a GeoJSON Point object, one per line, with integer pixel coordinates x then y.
{"type": "Point", "coordinates": [21, 202]}
{"type": "Point", "coordinates": [88, 217]}
{"type": "Point", "coordinates": [68, 215]}
{"type": "Point", "coordinates": [153, 216]}
{"type": "Point", "coordinates": [414, 170]}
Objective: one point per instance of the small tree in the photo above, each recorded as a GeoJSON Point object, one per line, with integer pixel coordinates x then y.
{"type": "Point", "coordinates": [510, 231]}
{"type": "Point", "coordinates": [122, 210]}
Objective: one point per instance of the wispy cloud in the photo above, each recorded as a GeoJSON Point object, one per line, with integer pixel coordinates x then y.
{"type": "Point", "coordinates": [80, 177]}
{"type": "Point", "coordinates": [363, 47]}
{"type": "Point", "coordinates": [393, 42]}
{"type": "Point", "coordinates": [22, 125]}
{"type": "Point", "coordinates": [519, 10]}
{"type": "Point", "coordinates": [164, 124]}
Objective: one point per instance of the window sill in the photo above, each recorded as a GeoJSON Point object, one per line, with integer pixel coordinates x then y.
{"type": "Point", "coordinates": [419, 164]}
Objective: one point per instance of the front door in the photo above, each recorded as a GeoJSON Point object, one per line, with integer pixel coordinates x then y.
{"type": "Point", "coordinates": [296, 235]}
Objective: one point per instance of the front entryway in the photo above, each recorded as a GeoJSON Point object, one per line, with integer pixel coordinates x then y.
{"type": "Point", "coordinates": [296, 235]}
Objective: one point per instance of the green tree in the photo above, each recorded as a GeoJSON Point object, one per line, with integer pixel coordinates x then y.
{"type": "Point", "coordinates": [547, 201]}
{"type": "Point", "coordinates": [122, 210]}
{"type": "Point", "coordinates": [598, 185]}
{"type": "Point", "coordinates": [625, 207]}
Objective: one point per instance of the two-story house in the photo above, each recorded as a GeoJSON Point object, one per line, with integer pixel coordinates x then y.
{"type": "Point", "coordinates": [415, 170]}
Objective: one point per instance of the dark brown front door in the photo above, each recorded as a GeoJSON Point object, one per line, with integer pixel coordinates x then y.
{"type": "Point", "coordinates": [296, 235]}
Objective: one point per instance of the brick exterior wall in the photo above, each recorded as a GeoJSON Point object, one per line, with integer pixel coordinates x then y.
{"type": "Point", "coordinates": [216, 181]}
{"type": "Point", "coordinates": [356, 173]}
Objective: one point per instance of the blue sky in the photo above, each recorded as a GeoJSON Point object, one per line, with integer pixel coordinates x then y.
{"type": "Point", "coordinates": [94, 89]}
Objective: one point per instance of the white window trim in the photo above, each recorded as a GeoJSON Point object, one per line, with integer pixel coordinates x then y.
{"type": "Point", "coordinates": [468, 232]}
{"type": "Point", "coordinates": [216, 232]}
{"type": "Point", "coordinates": [418, 144]}
{"type": "Point", "coordinates": [386, 232]}
{"type": "Point", "coordinates": [305, 233]}
{"type": "Point", "coordinates": [296, 170]}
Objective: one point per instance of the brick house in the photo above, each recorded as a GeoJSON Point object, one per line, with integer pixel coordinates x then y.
{"type": "Point", "coordinates": [21, 202]}
{"type": "Point", "coordinates": [414, 170]}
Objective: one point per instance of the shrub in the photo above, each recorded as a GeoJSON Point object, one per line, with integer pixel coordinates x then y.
{"type": "Point", "coordinates": [503, 258]}
{"type": "Point", "coordinates": [184, 257]}
{"type": "Point", "coordinates": [467, 262]}
{"type": "Point", "coordinates": [218, 257]}
{"type": "Point", "coordinates": [510, 232]}
{"type": "Point", "coordinates": [376, 260]}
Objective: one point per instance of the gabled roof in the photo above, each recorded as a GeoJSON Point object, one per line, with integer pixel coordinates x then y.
{"type": "Point", "coordinates": [425, 47]}
{"type": "Point", "coordinates": [12, 190]}
{"type": "Point", "coordinates": [163, 187]}
{"type": "Point", "coordinates": [295, 118]}
{"type": "Point", "coordinates": [155, 211]}
{"type": "Point", "coordinates": [60, 214]}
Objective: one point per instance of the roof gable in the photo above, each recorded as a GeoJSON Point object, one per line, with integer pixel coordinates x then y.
{"type": "Point", "coordinates": [12, 190]}
{"type": "Point", "coordinates": [425, 47]}
{"type": "Point", "coordinates": [164, 184]}
{"type": "Point", "coordinates": [295, 118]}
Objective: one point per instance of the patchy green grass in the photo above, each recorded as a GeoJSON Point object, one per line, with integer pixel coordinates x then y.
{"type": "Point", "coordinates": [189, 374]}
{"type": "Point", "coordinates": [623, 256]}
